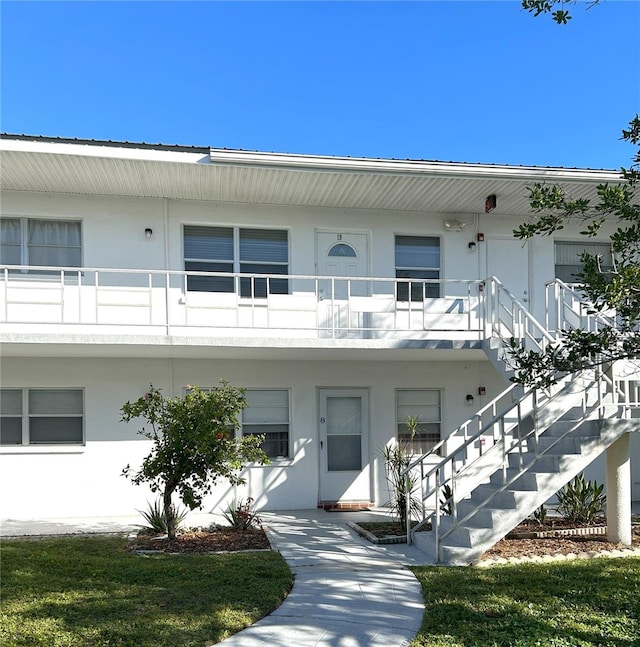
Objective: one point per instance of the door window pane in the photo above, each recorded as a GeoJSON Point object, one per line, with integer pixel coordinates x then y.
{"type": "Point", "coordinates": [344, 433]}
{"type": "Point", "coordinates": [344, 453]}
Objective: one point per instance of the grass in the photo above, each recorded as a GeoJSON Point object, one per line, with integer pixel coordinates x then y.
{"type": "Point", "coordinates": [91, 592]}
{"type": "Point", "coordinates": [570, 604]}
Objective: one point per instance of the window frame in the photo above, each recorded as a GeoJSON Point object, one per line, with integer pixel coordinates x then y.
{"type": "Point", "coordinates": [582, 245]}
{"type": "Point", "coordinates": [401, 420]}
{"type": "Point", "coordinates": [242, 427]}
{"type": "Point", "coordinates": [245, 286]}
{"type": "Point", "coordinates": [410, 288]}
{"type": "Point", "coordinates": [26, 247]}
{"type": "Point", "coordinates": [27, 415]}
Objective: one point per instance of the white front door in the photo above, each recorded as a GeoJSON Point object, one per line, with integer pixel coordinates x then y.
{"type": "Point", "coordinates": [508, 261]}
{"type": "Point", "coordinates": [344, 445]}
{"type": "Point", "coordinates": [342, 255]}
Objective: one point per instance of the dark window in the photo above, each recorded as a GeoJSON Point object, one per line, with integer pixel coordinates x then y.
{"type": "Point", "coordinates": [267, 413]}
{"type": "Point", "coordinates": [417, 257]}
{"type": "Point", "coordinates": [237, 250]}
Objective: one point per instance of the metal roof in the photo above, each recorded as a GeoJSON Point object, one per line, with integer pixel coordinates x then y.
{"type": "Point", "coordinates": [59, 165]}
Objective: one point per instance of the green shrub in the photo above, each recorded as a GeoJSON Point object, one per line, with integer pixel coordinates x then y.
{"type": "Point", "coordinates": [540, 515]}
{"type": "Point", "coordinates": [581, 501]}
{"type": "Point", "coordinates": [240, 516]}
{"type": "Point", "coordinates": [156, 520]}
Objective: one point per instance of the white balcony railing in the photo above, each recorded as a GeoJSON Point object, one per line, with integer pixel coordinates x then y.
{"type": "Point", "coordinates": [203, 303]}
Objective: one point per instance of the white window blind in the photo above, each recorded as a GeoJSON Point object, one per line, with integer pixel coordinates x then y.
{"type": "Point", "coordinates": [417, 257]}
{"type": "Point", "coordinates": [237, 250]}
{"type": "Point", "coordinates": [267, 413]}
{"type": "Point", "coordinates": [424, 404]}
{"type": "Point", "coordinates": [567, 258]}
{"type": "Point", "coordinates": [31, 241]}
{"type": "Point", "coordinates": [41, 416]}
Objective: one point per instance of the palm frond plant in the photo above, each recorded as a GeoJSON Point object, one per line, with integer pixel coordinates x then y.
{"type": "Point", "coordinates": [156, 520]}
{"type": "Point", "coordinates": [402, 490]}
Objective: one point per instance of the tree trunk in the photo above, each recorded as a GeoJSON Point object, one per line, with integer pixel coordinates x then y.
{"type": "Point", "coordinates": [168, 513]}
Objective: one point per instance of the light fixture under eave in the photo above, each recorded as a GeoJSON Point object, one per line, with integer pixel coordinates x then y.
{"type": "Point", "coordinates": [490, 203]}
{"type": "Point", "coordinates": [454, 225]}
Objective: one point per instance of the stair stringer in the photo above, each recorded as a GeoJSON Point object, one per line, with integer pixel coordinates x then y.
{"type": "Point", "coordinates": [464, 543]}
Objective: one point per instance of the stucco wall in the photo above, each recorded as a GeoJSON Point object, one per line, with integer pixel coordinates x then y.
{"type": "Point", "coordinates": [75, 481]}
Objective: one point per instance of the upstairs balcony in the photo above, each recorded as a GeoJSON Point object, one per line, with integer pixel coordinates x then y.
{"type": "Point", "coordinates": [321, 310]}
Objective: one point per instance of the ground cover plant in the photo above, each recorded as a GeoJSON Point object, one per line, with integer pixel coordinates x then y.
{"type": "Point", "coordinates": [580, 603]}
{"type": "Point", "coordinates": [91, 591]}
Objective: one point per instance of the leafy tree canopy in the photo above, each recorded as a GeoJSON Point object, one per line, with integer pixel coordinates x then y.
{"type": "Point", "coordinates": [194, 443]}
{"type": "Point", "coordinates": [558, 9]}
{"type": "Point", "coordinates": [609, 290]}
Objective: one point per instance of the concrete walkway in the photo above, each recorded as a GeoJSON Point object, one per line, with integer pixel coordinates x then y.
{"type": "Point", "coordinates": [347, 591]}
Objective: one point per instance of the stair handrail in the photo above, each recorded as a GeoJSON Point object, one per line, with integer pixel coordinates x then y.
{"type": "Point", "coordinates": [506, 318]}
{"type": "Point", "coordinates": [518, 323]}
{"type": "Point", "coordinates": [561, 297]}
{"type": "Point", "coordinates": [519, 443]}
{"type": "Point", "coordinates": [485, 431]}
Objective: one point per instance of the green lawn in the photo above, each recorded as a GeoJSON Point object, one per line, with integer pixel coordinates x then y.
{"type": "Point", "coordinates": [579, 603]}
{"type": "Point", "coordinates": [85, 592]}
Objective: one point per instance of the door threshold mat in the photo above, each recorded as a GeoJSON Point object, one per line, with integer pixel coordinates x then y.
{"type": "Point", "coordinates": [359, 509]}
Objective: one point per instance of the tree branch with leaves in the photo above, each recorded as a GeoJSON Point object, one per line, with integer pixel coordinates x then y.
{"type": "Point", "coordinates": [194, 444]}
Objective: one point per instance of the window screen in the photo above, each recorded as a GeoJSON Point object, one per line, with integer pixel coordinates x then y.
{"type": "Point", "coordinates": [417, 257]}
{"type": "Point", "coordinates": [49, 416]}
{"type": "Point", "coordinates": [32, 241]}
{"type": "Point", "coordinates": [267, 413]}
{"type": "Point", "coordinates": [237, 250]}
{"type": "Point", "coordinates": [568, 263]}
{"type": "Point", "coordinates": [424, 404]}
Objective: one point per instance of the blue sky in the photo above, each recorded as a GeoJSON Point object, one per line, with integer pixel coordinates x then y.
{"type": "Point", "coordinates": [462, 81]}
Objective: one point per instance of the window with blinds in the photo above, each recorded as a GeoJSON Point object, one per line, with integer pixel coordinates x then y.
{"type": "Point", "coordinates": [237, 250]}
{"type": "Point", "coordinates": [424, 404]}
{"type": "Point", "coordinates": [32, 241]}
{"type": "Point", "coordinates": [41, 416]}
{"type": "Point", "coordinates": [417, 257]}
{"type": "Point", "coordinates": [567, 258]}
{"type": "Point", "coordinates": [267, 413]}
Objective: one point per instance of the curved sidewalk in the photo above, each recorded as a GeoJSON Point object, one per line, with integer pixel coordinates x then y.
{"type": "Point", "coordinates": [347, 592]}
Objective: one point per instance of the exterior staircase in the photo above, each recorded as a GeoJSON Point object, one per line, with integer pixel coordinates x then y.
{"type": "Point", "coordinates": [516, 452]}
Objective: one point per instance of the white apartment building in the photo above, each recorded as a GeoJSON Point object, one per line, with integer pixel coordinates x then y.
{"type": "Point", "coordinates": [344, 294]}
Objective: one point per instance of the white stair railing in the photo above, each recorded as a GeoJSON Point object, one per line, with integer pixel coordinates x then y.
{"type": "Point", "coordinates": [567, 308]}
{"type": "Point", "coordinates": [510, 424]}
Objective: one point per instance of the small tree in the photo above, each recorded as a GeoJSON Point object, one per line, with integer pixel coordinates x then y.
{"type": "Point", "coordinates": [194, 444]}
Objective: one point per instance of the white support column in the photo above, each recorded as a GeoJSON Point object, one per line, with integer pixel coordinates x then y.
{"type": "Point", "coordinates": [619, 492]}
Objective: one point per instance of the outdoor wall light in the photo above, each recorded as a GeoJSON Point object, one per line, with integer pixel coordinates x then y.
{"type": "Point", "coordinates": [454, 225]}
{"type": "Point", "coordinates": [148, 232]}
{"type": "Point", "coordinates": [490, 203]}
{"type": "Point", "coordinates": [469, 399]}
{"type": "Point", "coordinates": [471, 246]}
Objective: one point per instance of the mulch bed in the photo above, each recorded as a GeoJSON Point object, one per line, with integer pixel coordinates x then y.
{"type": "Point", "coordinates": [204, 541]}
{"type": "Point", "coordinates": [513, 547]}
{"type": "Point", "coordinates": [510, 548]}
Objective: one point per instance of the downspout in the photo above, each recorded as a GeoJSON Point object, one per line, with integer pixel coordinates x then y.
{"type": "Point", "coordinates": [167, 276]}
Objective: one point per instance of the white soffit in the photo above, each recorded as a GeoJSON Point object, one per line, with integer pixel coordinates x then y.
{"type": "Point", "coordinates": [263, 178]}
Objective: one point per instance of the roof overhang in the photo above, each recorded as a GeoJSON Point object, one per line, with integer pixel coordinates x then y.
{"type": "Point", "coordinates": [220, 175]}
